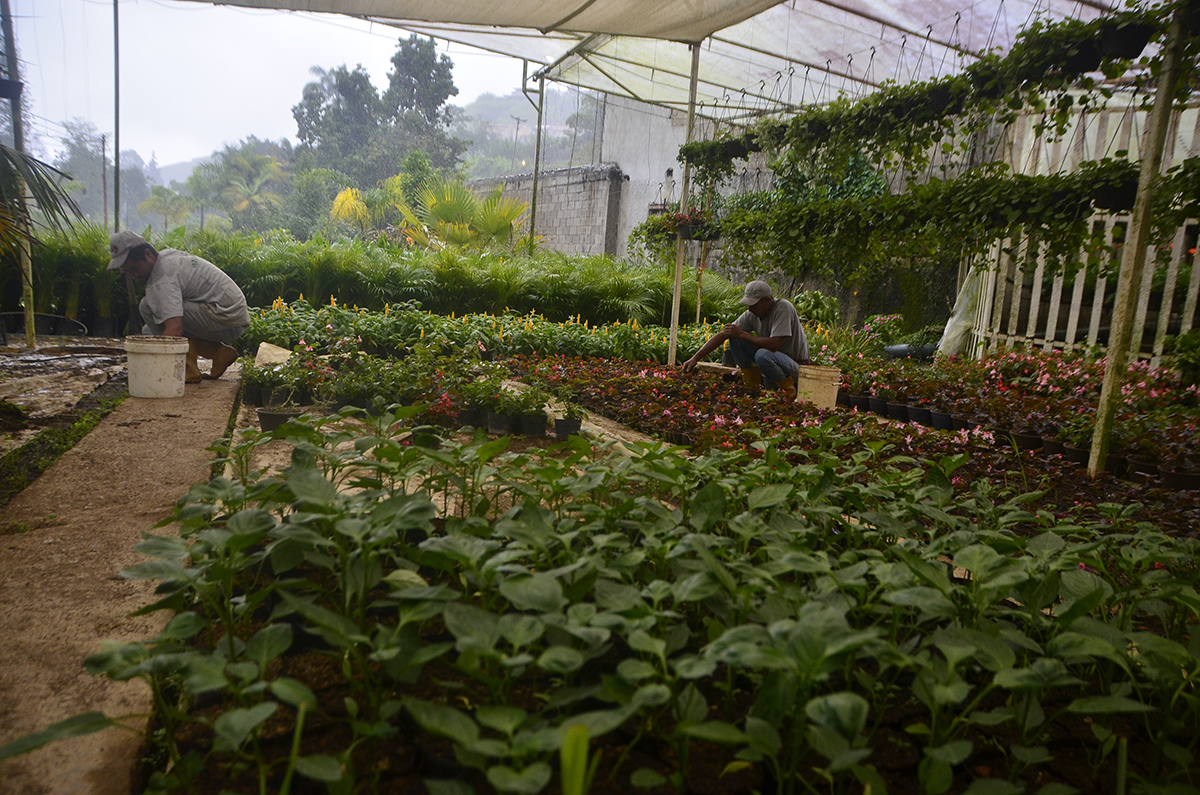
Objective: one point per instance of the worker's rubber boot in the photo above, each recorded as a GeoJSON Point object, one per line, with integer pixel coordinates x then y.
{"type": "Point", "coordinates": [192, 376]}
{"type": "Point", "coordinates": [752, 378]}
{"type": "Point", "coordinates": [788, 387]}
{"type": "Point", "coordinates": [222, 355]}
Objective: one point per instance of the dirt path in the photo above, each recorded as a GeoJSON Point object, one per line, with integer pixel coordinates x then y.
{"type": "Point", "coordinates": [59, 589]}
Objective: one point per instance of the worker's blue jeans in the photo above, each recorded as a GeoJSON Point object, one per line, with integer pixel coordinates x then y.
{"type": "Point", "coordinates": [775, 366]}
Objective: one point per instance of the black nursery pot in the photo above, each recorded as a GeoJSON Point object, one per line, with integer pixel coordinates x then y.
{"type": "Point", "coordinates": [1179, 481]}
{"type": "Point", "coordinates": [564, 428]}
{"type": "Point", "coordinates": [941, 420]}
{"type": "Point", "coordinates": [531, 425]}
{"type": "Point", "coordinates": [473, 416]}
{"type": "Point", "coordinates": [860, 402]}
{"type": "Point", "coordinates": [251, 395]}
{"type": "Point", "coordinates": [920, 415]}
{"type": "Point", "coordinates": [270, 419]}
{"type": "Point", "coordinates": [1027, 441]}
{"type": "Point", "coordinates": [879, 406]}
{"type": "Point", "coordinates": [1077, 455]}
{"type": "Point", "coordinates": [898, 411]}
{"type": "Point", "coordinates": [501, 423]}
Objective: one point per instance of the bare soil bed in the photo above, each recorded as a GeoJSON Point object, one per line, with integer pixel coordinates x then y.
{"type": "Point", "coordinates": [63, 540]}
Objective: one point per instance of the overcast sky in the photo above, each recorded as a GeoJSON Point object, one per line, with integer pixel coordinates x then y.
{"type": "Point", "coordinates": [196, 76]}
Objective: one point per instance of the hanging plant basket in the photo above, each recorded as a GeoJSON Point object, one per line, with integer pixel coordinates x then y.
{"type": "Point", "coordinates": [1086, 58]}
{"type": "Point", "coordinates": [1115, 196]}
{"type": "Point", "coordinates": [698, 231]}
{"type": "Point", "coordinates": [736, 149]}
{"type": "Point", "coordinates": [1125, 42]}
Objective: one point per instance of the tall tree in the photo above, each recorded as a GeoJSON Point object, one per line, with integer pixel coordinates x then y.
{"type": "Point", "coordinates": [420, 82]}
{"type": "Point", "coordinates": [83, 160]}
{"type": "Point", "coordinates": [337, 117]}
{"type": "Point", "coordinates": [344, 125]}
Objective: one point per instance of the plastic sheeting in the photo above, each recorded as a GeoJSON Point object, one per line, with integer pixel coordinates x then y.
{"type": "Point", "coordinates": [758, 57]}
{"type": "Point", "coordinates": [956, 338]}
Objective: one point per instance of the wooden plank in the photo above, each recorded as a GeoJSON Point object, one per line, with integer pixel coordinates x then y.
{"type": "Point", "coordinates": [1168, 296]}
{"type": "Point", "coordinates": [999, 291]}
{"type": "Point", "coordinates": [1055, 157]}
{"type": "Point", "coordinates": [1189, 305]}
{"type": "Point", "coordinates": [1101, 287]}
{"type": "Point", "coordinates": [1100, 147]}
{"type": "Point", "coordinates": [1035, 294]}
{"type": "Point", "coordinates": [1070, 343]}
{"type": "Point", "coordinates": [1143, 302]}
{"type": "Point", "coordinates": [1172, 136]}
{"type": "Point", "coordinates": [1018, 280]}
{"type": "Point", "coordinates": [1076, 306]}
{"type": "Point", "coordinates": [1079, 145]}
{"type": "Point", "coordinates": [981, 317]}
{"type": "Point", "coordinates": [1052, 312]}
{"type": "Point", "coordinates": [1126, 134]}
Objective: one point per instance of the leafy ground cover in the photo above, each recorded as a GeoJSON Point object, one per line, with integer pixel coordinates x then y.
{"type": "Point", "coordinates": [395, 330]}
{"type": "Point", "coordinates": [805, 601]}
{"type": "Point", "coordinates": [702, 411]}
{"type": "Point", "coordinates": [1049, 394]}
{"type": "Point", "coordinates": [383, 616]}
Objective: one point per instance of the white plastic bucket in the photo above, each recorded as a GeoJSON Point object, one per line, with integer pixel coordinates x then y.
{"type": "Point", "coordinates": [818, 385]}
{"type": "Point", "coordinates": [157, 366]}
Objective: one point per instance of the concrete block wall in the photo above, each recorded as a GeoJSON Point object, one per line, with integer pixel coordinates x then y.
{"type": "Point", "coordinates": [578, 209]}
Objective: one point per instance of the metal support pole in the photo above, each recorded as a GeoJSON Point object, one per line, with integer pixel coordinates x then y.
{"type": "Point", "coordinates": [116, 117]}
{"type": "Point", "coordinates": [1133, 259]}
{"type": "Point", "coordinates": [680, 244]}
{"type": "Point", "coordinates": [104, 175]}
{"type": "Point", "coordinates": [18, 124]}
{"type": "Point", "coordinates": [537, 158]}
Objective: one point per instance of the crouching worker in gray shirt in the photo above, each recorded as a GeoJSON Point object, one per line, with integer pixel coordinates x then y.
{"type": "Point", "coordinates": [186, 296]}
{"type": "Point", "coordinates": [767, 342]}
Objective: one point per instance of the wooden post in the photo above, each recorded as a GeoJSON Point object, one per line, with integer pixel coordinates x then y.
{"type": "Point", "coordinates": [18, 123]}
{"type": "Point", "coordinates": [680, 244]}
{"type": "Point", "coordinates": [1133, 258]}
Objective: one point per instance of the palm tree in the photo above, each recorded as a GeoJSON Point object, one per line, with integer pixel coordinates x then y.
{"type": "Point", "coordinates": [172, 206]}
{"type": "Point", "coordinates": [249, 182]}
{"type": "Point", "coordinates": [26, 181]}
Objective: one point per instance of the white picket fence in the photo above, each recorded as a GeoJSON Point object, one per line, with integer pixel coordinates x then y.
{"type": "Point", "coordinates": [1024, 302]}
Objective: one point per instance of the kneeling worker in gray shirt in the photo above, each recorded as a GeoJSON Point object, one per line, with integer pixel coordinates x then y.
{"type": "Point", "coordinates": [186, 296]}
{"type": "Point", "coordinates": [767, 342]}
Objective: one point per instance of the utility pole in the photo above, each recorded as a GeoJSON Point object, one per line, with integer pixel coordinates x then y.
{"type": "Point", "coordinates": [1133, 259]}
{"type": "Point", "coordinates": [537, 159]}
{"type": "Point", "coordinates": [18, 123]}
{"type": "Point", "coordinates": [116, 117]}
{"type": "Point", "coordinates": [513, 164]}
{"type": "Point", "coordinates": [104, 175]}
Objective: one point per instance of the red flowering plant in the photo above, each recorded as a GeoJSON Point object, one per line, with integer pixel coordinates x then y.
{"type": "Point", "coordinates": [693, 216]}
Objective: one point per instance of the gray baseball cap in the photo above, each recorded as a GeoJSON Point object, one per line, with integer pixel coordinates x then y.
{"type": "Point", "coordinates": [755, 292]}
{"type": "Point", "coordinates": [119, 245]}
